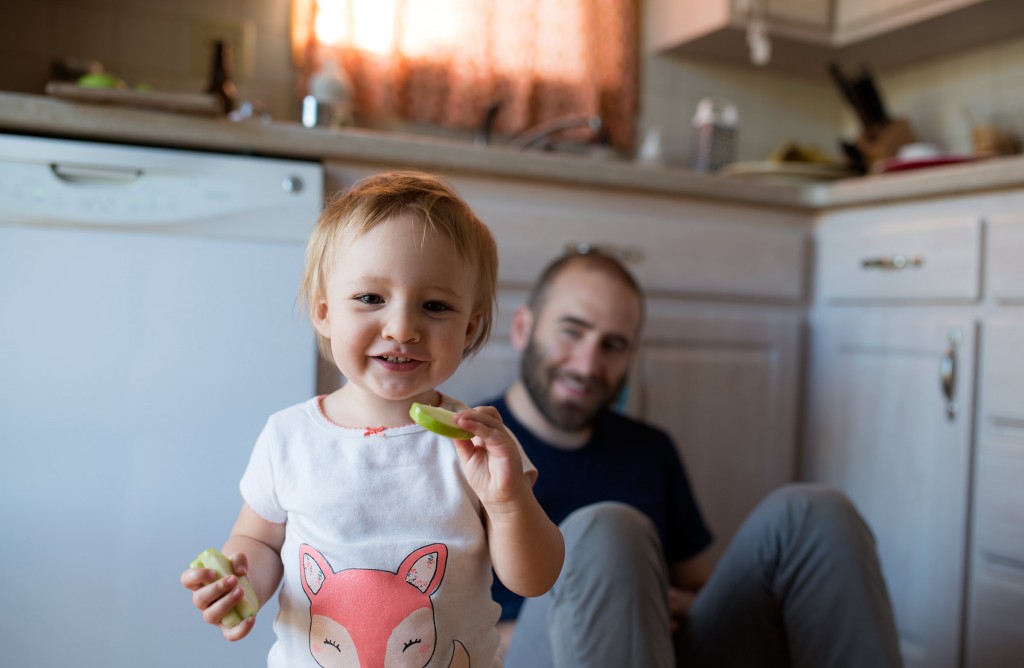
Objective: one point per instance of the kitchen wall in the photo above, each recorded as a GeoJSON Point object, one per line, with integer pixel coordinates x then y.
{"type": "Point", "coordinates": [163, 43]}
{"type": "Point", "coordinates": [939, 97]}
{"type": "Point", "coordinates": [166, 44]}
{"type": "Point", "coordinates": [773, 107]}
{"type": "Point", "coordinates": [942, 95]}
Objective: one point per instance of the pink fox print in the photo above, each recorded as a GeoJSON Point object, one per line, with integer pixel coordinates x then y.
{"type": "Point", "coordinates": [364, 618]}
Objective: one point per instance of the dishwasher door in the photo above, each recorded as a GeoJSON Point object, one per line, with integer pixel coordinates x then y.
{"type": "Point", "coordinates": [148, 327]}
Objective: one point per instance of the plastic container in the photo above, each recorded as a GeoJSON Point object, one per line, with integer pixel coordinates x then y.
{"type": "Point", "coordinates": [713, 136]}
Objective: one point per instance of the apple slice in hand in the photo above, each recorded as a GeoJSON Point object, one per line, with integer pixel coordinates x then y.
{"type": "Point", "coordinates": [213, 559]}
{"type": "Point", "coordinates": [437, 420]}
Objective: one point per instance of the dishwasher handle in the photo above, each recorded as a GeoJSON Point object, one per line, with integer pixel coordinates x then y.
{"type": "Point", "coordinates": [95, 174]}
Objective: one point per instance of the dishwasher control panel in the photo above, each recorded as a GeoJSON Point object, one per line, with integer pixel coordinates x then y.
{"type": "Point", "coordinates": [70, 183]}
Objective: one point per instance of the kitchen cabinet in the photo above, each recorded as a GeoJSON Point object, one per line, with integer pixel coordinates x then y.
{"type": "Point", "coordinates": [907, 297]}
{"type": "Point", "coordinates": [890, 408]}
{"type": "Point", "coordinates": [671, 24]}
{"type": "Point", "coordinates": [806, 34]}
{"type": "Point", "coordinates": [996, 591]}
{"type": "Point", "coordinates": [719, 364]}
{"type": "Point", "coordinates": [860, 19]}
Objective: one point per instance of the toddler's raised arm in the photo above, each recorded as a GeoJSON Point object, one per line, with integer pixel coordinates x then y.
{"type": "Point", "coordinates": [526, 547]}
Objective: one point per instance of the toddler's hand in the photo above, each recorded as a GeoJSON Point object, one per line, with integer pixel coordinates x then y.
{"type": "Point", "coordinates": [215, 597]}
{"type": "Point", "coordinates": [491, 461]}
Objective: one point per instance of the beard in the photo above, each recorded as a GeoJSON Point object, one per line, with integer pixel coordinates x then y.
{"type": "Point", "coordinates": [538, 378]}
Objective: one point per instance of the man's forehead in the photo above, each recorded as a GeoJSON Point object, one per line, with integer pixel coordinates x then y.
{"type": "Point", "coordinates": [593, 299]}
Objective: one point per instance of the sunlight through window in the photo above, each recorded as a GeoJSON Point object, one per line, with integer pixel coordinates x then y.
{"type": "Point", "coordinates": [373, 25]}
{"type": "Point", "coordinates": [449, 61]}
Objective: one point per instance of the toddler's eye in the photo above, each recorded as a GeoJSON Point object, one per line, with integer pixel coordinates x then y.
{"type": "Point", "coordinates": [436, 307]}
{"type": "Point", "coordinates": [370, 299]}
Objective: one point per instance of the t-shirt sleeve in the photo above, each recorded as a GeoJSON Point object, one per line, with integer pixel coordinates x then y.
{"type": "Point", "coordinates": [257, 484]}
{"type": "Point", "coordinates": [687, 533]}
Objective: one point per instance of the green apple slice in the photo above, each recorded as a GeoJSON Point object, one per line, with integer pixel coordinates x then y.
{"type": "Point", "coordinates": [249, 605]}
{"type": "Point", "coordinates": [438, 420]}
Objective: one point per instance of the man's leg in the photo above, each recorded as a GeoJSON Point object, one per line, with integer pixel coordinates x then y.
{"type": "Point", "coordinates": [800, 586]}
{"type": "Point", "coordinates": [609, 606]}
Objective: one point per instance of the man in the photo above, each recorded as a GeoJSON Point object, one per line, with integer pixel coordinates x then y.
{"type": "Point", "coordinates": [800, 584]}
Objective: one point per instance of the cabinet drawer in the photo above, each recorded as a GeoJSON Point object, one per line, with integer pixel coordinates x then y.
{"type": "Point", "coordinates": [930, 259]}
{"type": "Point", "coordinates": [1006, 244]}
{"type": "Point", "coordinates": [674, 248]}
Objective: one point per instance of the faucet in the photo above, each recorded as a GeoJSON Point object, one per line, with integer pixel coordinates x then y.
{"type": "Point", "coordinates": [483, 134]}
{"type": "Point", "coordinates": [542, 131]}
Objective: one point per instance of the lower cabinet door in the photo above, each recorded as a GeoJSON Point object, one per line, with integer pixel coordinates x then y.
{"type": "Point", "coordinates": [724, 385]}
{"type": "Point", "coordinates": [890, 423]}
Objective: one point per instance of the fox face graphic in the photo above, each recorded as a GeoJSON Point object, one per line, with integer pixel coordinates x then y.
{"type": "Point", "coordinates": [374, 619]}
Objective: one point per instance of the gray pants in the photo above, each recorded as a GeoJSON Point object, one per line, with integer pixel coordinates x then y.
{"type": "Point", "coordinates": [800, 585]}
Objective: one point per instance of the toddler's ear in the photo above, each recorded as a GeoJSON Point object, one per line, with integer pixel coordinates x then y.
{"type": "Point", "coordinates": [472, 328]}
{"type": "Point", "coordinates": [319, 317]}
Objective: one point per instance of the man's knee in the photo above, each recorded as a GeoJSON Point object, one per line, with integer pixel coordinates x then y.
{"type": "Point", "coordinates": [805, 495]}
{"type": "Point", "coordinates": [822, 509]}
{"type": "Point", "coordinates": [614, 531]}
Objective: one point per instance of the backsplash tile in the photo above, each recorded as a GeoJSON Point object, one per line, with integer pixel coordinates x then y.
{"type": "Point", "coordinates": [27, 28]}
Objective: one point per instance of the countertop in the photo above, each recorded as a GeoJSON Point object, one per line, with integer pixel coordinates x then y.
{"type": "Point", "coordinates": [47, 116]}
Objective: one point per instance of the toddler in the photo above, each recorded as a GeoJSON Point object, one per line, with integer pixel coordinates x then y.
{"type": "Point", "coordinates": [384, 534]}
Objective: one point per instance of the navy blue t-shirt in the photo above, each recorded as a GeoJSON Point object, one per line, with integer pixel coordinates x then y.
{"type": "Point", "coordinates": [625, 460]}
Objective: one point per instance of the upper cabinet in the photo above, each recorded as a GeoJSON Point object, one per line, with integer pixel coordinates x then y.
{"type": "Point", "coordinates": [807, 34]}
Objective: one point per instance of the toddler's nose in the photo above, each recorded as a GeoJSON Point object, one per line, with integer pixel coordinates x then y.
{"type": "Point", "coordinates": [402, 326]}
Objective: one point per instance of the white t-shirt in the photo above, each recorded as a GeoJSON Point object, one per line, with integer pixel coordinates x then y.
{"type": "Point", "coordinates": [385, 554]}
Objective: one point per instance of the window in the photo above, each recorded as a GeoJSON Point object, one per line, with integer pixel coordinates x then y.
{"type": "Point", "coordinates": [445, 62]}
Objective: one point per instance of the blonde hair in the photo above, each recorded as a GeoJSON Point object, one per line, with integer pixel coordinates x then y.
{"type": "Point", "coordinates": [424, 197]}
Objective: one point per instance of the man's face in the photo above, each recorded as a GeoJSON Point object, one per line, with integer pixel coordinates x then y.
{"type": "Point", "coordinates": [580, 346]}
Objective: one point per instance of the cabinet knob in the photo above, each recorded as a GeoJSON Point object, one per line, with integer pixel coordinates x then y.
{"type": "Point", "coordinates": [293, 184]}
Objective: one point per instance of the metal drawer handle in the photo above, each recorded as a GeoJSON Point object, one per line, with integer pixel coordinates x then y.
{"type": "Point", "coordinates": [947, 373]}
{"type": "Point", "coordinates": [893, 262]}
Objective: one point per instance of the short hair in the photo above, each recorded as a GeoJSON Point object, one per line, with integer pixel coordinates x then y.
{"type": "Point", "coordinates": [591, 259]}
{"type": "Point", "coordinates": [424, 197]}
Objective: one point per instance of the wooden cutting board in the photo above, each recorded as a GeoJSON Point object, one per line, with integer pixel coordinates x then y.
{"type": "Point", "coordinates": [188, 103]}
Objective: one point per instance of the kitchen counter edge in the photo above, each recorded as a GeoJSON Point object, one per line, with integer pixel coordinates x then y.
{"type": "Point", "coordinates": [40, 115]}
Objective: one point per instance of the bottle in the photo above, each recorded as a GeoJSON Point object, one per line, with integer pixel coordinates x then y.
{"type": "Point", "coordinates": [713, 135]}
{"type": "Point", "coordinates": [329, 102]}
{"type": "Point", "coordinates": [221, 84]}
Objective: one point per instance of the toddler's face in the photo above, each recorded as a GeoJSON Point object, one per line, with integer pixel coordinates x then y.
{"type": "Point", "coordinates": [398, 310]}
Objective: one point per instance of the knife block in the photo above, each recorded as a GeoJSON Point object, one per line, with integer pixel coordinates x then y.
{"type": "Point", "coordinates": [881, 142]}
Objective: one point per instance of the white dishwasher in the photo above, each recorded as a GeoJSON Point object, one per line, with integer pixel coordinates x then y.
{"type": "Point", "coordinates": [148, 327]}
